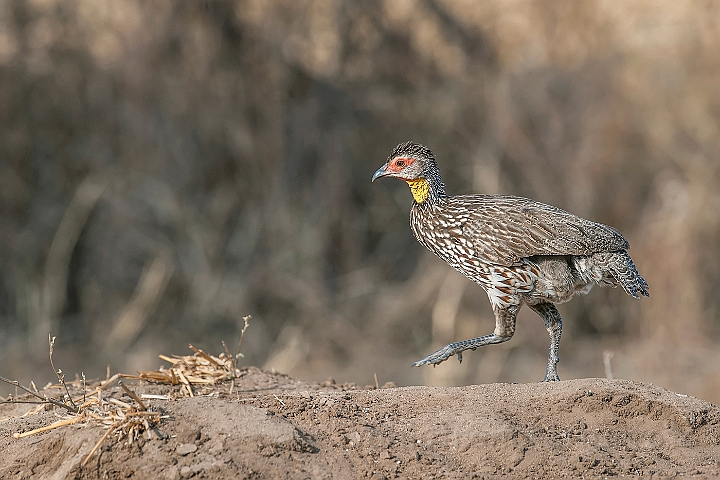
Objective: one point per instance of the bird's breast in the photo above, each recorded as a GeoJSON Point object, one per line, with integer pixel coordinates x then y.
{"type": "Point", "coordinates": [443, 235]}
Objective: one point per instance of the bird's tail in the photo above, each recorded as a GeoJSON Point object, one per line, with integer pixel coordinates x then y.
{"type": "Point", "coordinates": [623, 271]}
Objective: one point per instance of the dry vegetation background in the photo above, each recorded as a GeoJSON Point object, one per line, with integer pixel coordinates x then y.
{"type": "Point", "coordinates": [168, 167]}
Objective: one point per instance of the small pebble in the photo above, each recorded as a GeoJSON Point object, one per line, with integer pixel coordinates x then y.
{"type": "Point", "coordinates": [186, 448]}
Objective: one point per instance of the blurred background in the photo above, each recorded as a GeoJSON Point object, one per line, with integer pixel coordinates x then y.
{"type": "Point", "coordinates": [168, 167]}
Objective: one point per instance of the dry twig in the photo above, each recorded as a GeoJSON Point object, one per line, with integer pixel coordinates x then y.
{"type": "Point", "coordinates": [58, 372]}
{"type": "Point", "coordinates": [246, 321]}
{"type": "Point", "coordinates": [44, 399]}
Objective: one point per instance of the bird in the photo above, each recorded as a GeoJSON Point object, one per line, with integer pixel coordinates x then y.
{"type": "Point", "coordinates": [520, 251]}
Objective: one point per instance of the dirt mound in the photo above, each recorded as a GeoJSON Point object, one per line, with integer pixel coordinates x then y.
{"type": "Point", "coordinates": [272, 426]}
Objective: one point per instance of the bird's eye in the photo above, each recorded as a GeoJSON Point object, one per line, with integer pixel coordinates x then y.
{"type": "Point", "coordinates": [400, 163]}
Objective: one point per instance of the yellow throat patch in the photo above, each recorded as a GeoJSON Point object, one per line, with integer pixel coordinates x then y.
{"type": "Point", "coordinates": [420, 189]}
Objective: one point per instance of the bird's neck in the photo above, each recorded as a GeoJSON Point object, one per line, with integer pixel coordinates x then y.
{"type": "Point", "coordinates": [426, 190]}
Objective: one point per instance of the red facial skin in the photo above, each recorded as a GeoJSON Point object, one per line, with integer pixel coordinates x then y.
{"type": "Point", "coordinates": [398, 164]}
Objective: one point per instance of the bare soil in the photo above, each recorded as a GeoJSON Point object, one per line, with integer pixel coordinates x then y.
{"type": "Point", "coordinates": [272, 426]}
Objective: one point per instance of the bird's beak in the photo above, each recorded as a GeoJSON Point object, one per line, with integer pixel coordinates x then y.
{"type": "Point", "coordinates": [381, 172]}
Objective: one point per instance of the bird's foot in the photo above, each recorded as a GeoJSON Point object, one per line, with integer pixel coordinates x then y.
{"type": "Point", "coordinates": [440, 356]}
{"type": "Point", "coordinates": [551, 374]}
{"type": "Point", "coordinates": [457, 348]}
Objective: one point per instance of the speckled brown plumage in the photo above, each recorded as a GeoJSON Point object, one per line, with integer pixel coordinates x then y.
{"type": "Point", "coordinates": [518, 250]}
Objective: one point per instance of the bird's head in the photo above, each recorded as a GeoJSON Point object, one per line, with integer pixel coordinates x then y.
{"type": "Point", "coordinates": [415, 164]}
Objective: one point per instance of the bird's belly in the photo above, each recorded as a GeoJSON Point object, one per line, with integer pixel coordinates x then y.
{"type": "Point", "coordinates": [555, 295]}
{"type": "Point", "coordinates": [557, 281]}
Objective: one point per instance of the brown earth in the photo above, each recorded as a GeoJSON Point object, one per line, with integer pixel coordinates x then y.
{"type": "Point", "coordinates": [272, 426]}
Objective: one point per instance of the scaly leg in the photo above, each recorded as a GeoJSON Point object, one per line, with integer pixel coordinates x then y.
{"type": "Point", "coordinates": [504, 330]}
{"type": "Point", "coordinates": [553, 324]}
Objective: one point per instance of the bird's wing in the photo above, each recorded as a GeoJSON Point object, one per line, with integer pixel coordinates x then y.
{"type": "Point", "coordinates": [504, 229]}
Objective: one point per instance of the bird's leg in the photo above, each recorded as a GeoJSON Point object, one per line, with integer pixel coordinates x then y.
{"type": "Point", "coordinates": [504, 330]}
{"type": "Point", "coordinates": [553, 324]}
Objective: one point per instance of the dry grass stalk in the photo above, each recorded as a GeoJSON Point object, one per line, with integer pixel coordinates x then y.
{"type": "Point", "coordinates": [120, 417]}
{"type": "Point", "coordinates": [126, 419]}
{"type": "Point", "coordinates": [117, 416]}
{"type": "Point", "coordinates": [133, 396]}
{"type": "Point", "coordinates": [199, 368]}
